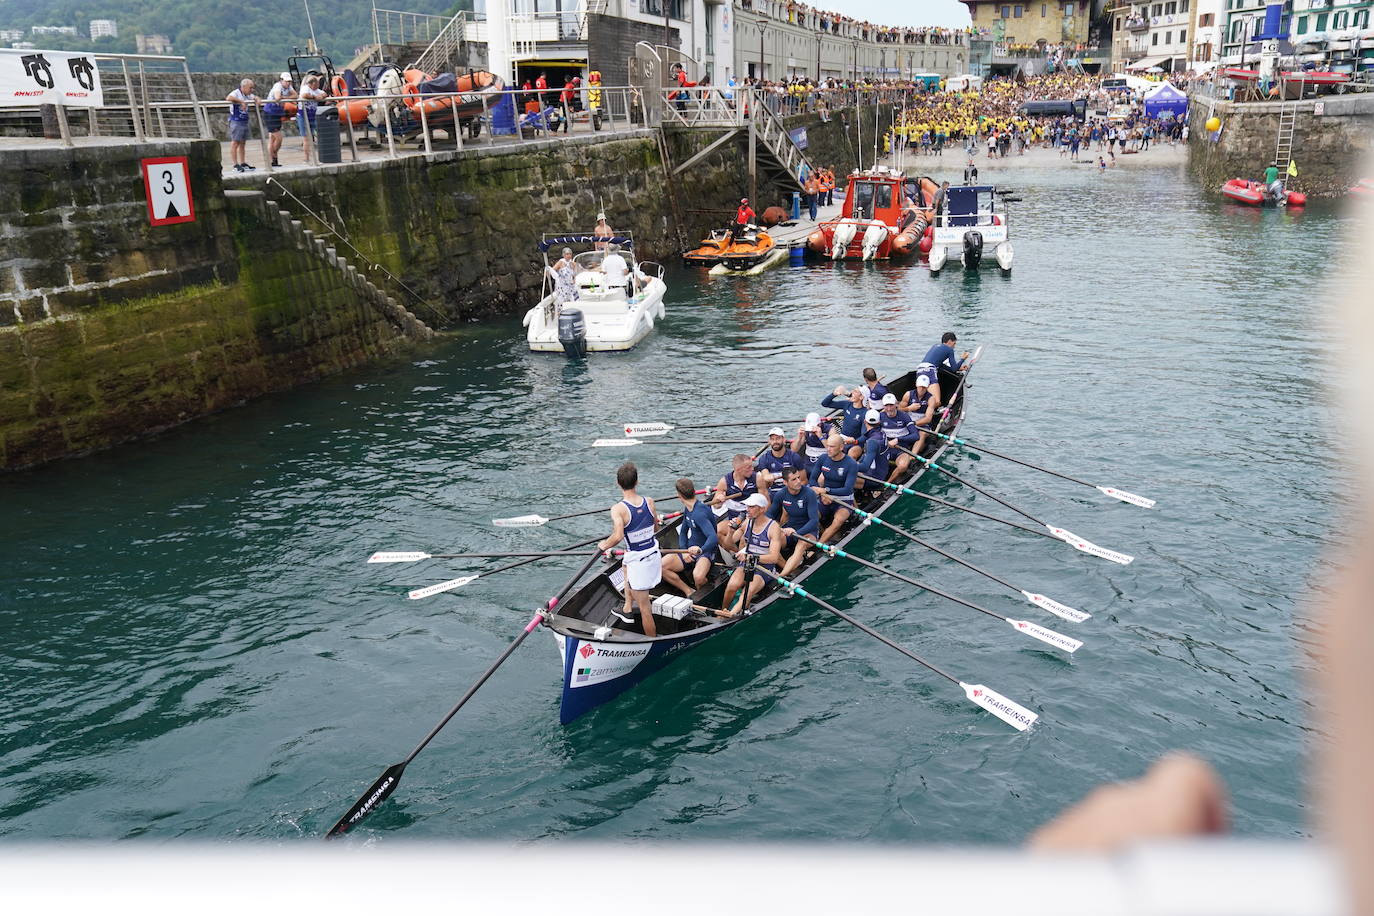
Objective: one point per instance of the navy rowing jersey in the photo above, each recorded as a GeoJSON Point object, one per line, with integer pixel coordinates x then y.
{"type": "Point", "coordinates": [639, 533]}
{"type": "Point", "coordinates": [803, 510]}
{"type": "Point", "coordinates": [698, 529]}
{"type": "Point", "coordinates": [735, 493]}
{"type": "Point", "coordinates": [900, 428]}
{"type": "Point", "coordinates": [852, 426]}
{"type": "Point", "coordinates": [875, 394]}
{"type": "Point", "coordinates": [776, 464]}
{"type": "Point", "coordinates": [813, 445]}
{"type": "Point", "coordinates": [836, 476]}
{"type": "Point", "coordinates": [918, 404]}
{"type": "Point", "coordinates": [874, 461]}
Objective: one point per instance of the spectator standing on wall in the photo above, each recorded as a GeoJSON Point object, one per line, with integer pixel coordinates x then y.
{"type": "Point", "coordinates": [281, 92]}
{"type": "Point", "coordinates": [239, 129]}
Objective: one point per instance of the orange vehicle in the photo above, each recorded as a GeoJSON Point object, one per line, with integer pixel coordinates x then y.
{"type": "Point", "coordinates": [442, 98]}
{"type": "Point", "coordinates": [884, 216]}
{"type": "Point", "coordinates": [750, 249]}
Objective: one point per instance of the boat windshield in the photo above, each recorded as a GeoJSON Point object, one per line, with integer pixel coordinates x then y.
{"type": "Point", "coordinates": [863, 200]}
{"type": "Point", "coordinates": [588, 260]}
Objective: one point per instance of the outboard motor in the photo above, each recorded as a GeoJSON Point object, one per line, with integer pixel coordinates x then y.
{"type": "Point", "coordinates": [973, 249]}
{"type": "Point", "coordinates": [572, 333]}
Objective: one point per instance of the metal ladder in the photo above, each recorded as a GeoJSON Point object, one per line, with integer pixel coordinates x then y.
{"type": "Point", "coordinates": [1283, 147]}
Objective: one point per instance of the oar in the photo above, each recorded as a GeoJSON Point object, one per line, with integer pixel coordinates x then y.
{"type": "Point", "coordinates": [907, 491]}
{"type": "Point", "coordinates": [1058, 640]}
{"type": "Point", "coordinates": [662, 429]}
{"type": "Point", "coordinates": [415, 556]}
{"type": "Point", "coordinates": [1049, 604]}
{"type": "Point", "coordinates": [625, 443]}
{"type": "Point", "coordinates": [1063, 534]}
{"type": "Point", "coordinates": [380, 790]}
{"type": "Point", "coordinates": [1009, 711]}
{"type": "Point", "coordinates": [453, 584]}
{"type": "Point", "coordinates": [534, 521]}
{"type": "Point", "coordinates": [1113, 492]}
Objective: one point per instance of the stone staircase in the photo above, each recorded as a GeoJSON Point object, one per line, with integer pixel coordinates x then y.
{"type": "Point", "coordinates": [307, 241]}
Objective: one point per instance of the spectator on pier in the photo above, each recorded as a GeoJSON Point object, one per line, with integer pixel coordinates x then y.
{"type": "Point", "coordinates": [239, 128]}
{"type": "Point", "coordinates": [311, 96]}
{"type": "Point", "coordinates": [743, 217]}
{"type": "Point", "coordinates": [281, 92]}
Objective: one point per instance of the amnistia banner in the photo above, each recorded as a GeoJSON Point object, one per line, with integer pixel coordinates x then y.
{"type": "Point", "coordinates": [49, 78]}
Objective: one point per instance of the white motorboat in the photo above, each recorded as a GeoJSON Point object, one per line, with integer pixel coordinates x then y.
{"type": "Point", "coordinates": [968, 225]}
{"type": "Point", "coordinates": [601, 316]}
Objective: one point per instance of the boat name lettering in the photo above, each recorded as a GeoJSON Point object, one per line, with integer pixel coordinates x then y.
{"type": "Point", "coordinates": [623, 653]}
{"type": "Point", "coordinates": [988, 699]}
{"type": "Point", "coordinates": [371, 801]}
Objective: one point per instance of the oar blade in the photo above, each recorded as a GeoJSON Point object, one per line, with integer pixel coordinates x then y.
{"type": "Point", "coordinates": [1055, 608]}
{"type": "Point", "coordinates": [1009, 711]}
{"type": "Point", "coordinates": [397, 556]}
{"type": "Point", "coordinates": [1131, 498]}
{"type": "Point", "coordinates": [615, 443]}
{"type": "Point", "coordinates": [648, 429]}
{"type": "Point", "coordinates": [430, 590]}
{"type": "Point", "coordinates": [377, 793]}
{"type": "Point", "coordinates": [1087, 546]}
{"type": "Point", "coordinates": [520, 521]}
{"type": "Point", "coordinates": [1058, 640]}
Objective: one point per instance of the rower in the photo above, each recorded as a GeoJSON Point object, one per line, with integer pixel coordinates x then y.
{"type": "Point", "coordinates": [852, 403]}
{"type": "Point", "coordinates": [731, 491]}
{"type": "Point", "coordinates": [696, 534]}
{"type": "Point", "coordinates": [762, 539]}
{"type": "Point", "coordinates": [919, 403]}
{"type": "Point", "coordinates": [633, 520]}
{"type": "Point", "coordinates": [833, 480]}
{"type": "Point", "coordinates": [899, 429]}
{"type": "Point", "coordinates": [810, 441]}
{"type": "Point", "coordinates": [874, 389]}
{"type": "Point", "coordinates": [942, 354]}
{"type": "Point", "coordinates": [798, 508]}
{"type": "Point", "coordinates": [872, 448]}
{"type": "Point", "coordinates": [775, 461]}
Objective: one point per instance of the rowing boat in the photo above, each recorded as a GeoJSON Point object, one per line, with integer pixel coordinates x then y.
{"type": "Point", "coordinates": [602, 656]}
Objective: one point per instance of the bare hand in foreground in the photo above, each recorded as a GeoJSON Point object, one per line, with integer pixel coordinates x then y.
{"type": "Point", "coordinates": [1180, 796]}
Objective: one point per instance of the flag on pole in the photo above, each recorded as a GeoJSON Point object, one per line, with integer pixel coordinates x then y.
{"type": "Point", "coordinates": [1292, 168]}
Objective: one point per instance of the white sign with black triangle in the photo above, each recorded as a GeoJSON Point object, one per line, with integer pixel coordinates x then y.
{"type": "Point", "coordinates": [167, 181]}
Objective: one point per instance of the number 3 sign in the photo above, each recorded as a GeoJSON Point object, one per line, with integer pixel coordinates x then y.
{"type": "Point", "coordinates": [167, 182]}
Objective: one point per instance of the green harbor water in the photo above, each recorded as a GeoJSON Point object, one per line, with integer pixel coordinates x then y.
{"type": "Point", "coordinates": [193, 646]}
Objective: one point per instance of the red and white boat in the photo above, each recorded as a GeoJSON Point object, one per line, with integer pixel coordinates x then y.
{"type": "Point", "coordinates": [884, 216]}
{"type": "Point", "coordinates": [1253, 193]}
{"type": "Point", "coordinates": [1363, 189]}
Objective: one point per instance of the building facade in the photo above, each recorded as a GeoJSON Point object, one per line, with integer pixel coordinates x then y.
{"type": "Point", "coordinates": [1153, 34]}
{"type": "Point", "coordinates": [104, 28]}
{"type": "Point", "coordinates": [1025, 24]}
{"type": "Point", "coordinates": [1207, 26]}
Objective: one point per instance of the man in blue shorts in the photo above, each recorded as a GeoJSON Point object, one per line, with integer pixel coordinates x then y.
{"type": "Point", "coordinates": [239, 129]}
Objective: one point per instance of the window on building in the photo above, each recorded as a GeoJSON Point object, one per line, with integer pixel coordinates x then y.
{"type": "Point", "coordinates": [1170, 8]}
{"type": "Point", "coordinates": [1362, 19]}
{"type": "Point", "coordinates": [1019, 10]}
{"type": "Point", "coordinates": [1183, 7]}
{"type": "Point", "coordinates": [1302, 25]}
{"type": "Point", "coordinates": [1339, 20]}
{"type": "Point", "coordinates": [1205, 19]}
{"type": "Point", "coordinates": [1006, 12]}
{"type": "Point", "coordinates": [1156, 9]}
{"type": "Point", "coordinates": [1044, 10]}
{"type": "Point", "coordinates": [1118, 23]}
{"type": "Point", "coordinates": [1154, 39]}
{"type": "Point", "coordinates": [1321, 22]}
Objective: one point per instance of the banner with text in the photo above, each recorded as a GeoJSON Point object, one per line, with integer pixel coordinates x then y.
{"type": "Point", "coordinates": [49, 78]}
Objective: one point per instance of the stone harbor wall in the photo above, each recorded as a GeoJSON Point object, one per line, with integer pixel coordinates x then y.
{"type": "Point", "coordinates": [1332, 139]}
{"type": "Point", "coordinates": [111, 328]}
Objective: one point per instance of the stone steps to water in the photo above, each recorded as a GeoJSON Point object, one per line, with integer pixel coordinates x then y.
{"type": "Point", "coordinates": [305, 240]}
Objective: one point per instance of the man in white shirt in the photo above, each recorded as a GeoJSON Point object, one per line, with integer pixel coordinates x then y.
{"type": "Point", "coordinates": [615, 268]}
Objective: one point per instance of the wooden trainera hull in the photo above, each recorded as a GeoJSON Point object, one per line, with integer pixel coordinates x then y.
{"type": "Point", "coordinates": [601, 659]}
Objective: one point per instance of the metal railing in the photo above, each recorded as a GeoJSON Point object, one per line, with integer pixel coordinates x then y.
{"type": "Point", "coordinates": [397, 27]}
{"type": "Point", "coordinates": [457, 31]}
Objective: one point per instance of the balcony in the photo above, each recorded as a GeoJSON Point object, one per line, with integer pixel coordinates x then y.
{"type": "Point", "coordinates": [1137, 25]}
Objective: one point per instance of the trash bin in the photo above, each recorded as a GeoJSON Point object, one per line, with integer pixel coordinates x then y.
{"type": "Point", "coordinates": [797, 254]}
{"type": "Point", "coordinates": [796, 205]}
{"type": "Point", "coordinates": [327, 134]}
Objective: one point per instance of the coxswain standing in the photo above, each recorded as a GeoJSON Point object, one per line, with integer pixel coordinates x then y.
{"type": "Point", "coordinates": [762, 539]}
{"type": "Point", "coordinates": [696, 534]}
{"type": "Point", "coordinates": [873, 389]}
{"type": "Point", "coordinates": [744, 217]}
{"type": "Point", "coordinates": [942, 354]}
{"type": "Point", "coordinates": [798, 508]}
{"type": "Point", "coordinates": [633, 520]}
{"type": "Point", "coordinates": [833, 480]}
